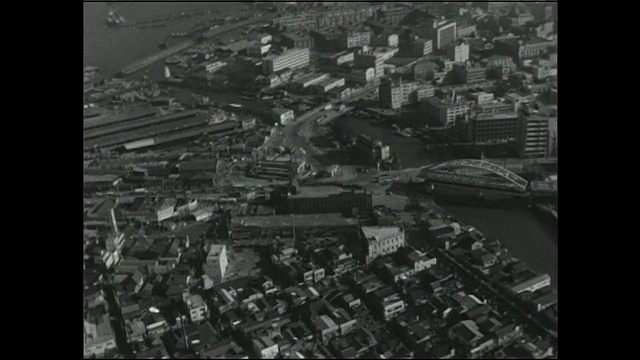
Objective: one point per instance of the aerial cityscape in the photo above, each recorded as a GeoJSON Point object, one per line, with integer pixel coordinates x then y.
{"type": "Point", "coordinates": [320, 179]}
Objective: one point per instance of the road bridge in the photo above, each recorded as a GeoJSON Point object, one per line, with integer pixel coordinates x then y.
{"type": "Point", "coordinates": [482, 174]}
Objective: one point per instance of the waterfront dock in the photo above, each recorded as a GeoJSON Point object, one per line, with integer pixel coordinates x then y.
{"type": "Point", "coordinates": [138, 65]}
{"type": "Point", "coordinates": [156, 57]}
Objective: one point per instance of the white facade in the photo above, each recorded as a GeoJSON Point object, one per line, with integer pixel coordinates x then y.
{"type": "Point", "coordinates": [460, 53]}
{"type": "Point", "coordinates": [215, 66]}
{"type": "Point", "coordinates": [283, 116]}
{"type": "Point", "coordinates": [532, 285]}
{"type": "Point", "coordinates": [328, 84]}
{"type": "Point", "coordinates": [292, 59]}
{"type": "Point", "coordinates": [166, 210]}
{"type": "Point", "coordinates": [382, 240]}
{"type": "Point", "coordinates": [264, 38]}
{"type": "Point", "coordinates": [543, 72]}
{"type": "Point", "coordinates": [483, 98]}
{"type": "Point", "coordinates": [258, 49]}
{"type": "Point", "coordinates": [198, 310]}
{"type": "Point", "coordinates": [216, 262]}
{"type": "Point", "coordinates": [392, 40]}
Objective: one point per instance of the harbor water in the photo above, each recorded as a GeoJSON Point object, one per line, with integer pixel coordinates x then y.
{"type": "Point", "coordinates": [113, 48]}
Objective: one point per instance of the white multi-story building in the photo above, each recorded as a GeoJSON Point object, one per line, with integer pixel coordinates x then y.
{"type": "Point", "coordinates": [216, 263]}
{"type": "Point", "coordinates": [292, 59]}
{"type": "Point", "coordinates": [459, 53]}
{"type": "Point", "coordinates": [382, 240]}
{"type": "Point", "coordinates": [198, 309]}
{"type": "Point", "coordinates": [445, 112]}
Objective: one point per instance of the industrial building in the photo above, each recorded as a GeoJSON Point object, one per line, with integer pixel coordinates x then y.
{"type": "Point", "coordinates": [291, 59]}
{"type": "Point", "coordinates": [329, 199]}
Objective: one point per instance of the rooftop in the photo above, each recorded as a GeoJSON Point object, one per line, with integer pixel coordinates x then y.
{"type": "Point", "coordinates": [216, 250]}
{"type": "Point", "coordinates": [316, 192]}
{"type": "Point", "coordinates": [281, 111]}
{"type": "Point", "coordinates": [379, 233]}
{"type": "Point", "coordinates": [326, 220]}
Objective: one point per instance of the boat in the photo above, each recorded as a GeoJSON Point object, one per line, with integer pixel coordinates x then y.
{"type": "Point", "coordinates": [114, 19]}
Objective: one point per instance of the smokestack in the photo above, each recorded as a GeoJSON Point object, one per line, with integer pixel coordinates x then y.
{"type": "Point", "coordinates": [114, 224]}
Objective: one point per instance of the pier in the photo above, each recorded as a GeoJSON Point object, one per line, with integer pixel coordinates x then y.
{"type": "Point", "coordinates": [183, 46]}
{"type": "Point", "coordinates": [156, 57]}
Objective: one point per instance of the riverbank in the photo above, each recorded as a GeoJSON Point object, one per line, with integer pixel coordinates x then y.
{"type": "Point", "coordinates": [528, 235]}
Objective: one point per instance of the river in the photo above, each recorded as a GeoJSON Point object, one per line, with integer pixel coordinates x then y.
{"type": "Point", "coordinates": [528, 236]}
{"type": "Point", "coordinates": [531, 237]}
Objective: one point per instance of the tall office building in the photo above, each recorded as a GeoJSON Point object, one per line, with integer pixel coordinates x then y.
{"type": "Point", "coordinates": [292, 59]}
{"type": "Point", "coordinates": [442, 32]}
{"type": "Point", "coordinates": [493, 127]}
{"type": "Point", "coordinates": [390, 95]}
{"type": "Point", "coordinates": [445, 35]}
{"type": "Point", "coordinates": [534, 133]}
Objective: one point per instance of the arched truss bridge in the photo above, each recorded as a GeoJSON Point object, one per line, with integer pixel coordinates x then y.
{"type": "Point", "coordinates": [475, 173]}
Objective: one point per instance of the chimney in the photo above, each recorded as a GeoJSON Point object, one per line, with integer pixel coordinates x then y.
{"type": "Point", "coordinates": [114, 224]}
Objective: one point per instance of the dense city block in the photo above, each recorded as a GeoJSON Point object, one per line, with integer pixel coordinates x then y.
{"type": "Point", "coordinates": [271, 180]}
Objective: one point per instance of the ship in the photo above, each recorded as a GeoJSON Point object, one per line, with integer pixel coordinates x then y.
{"type": "Point", "coordinates": [114, 19]}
